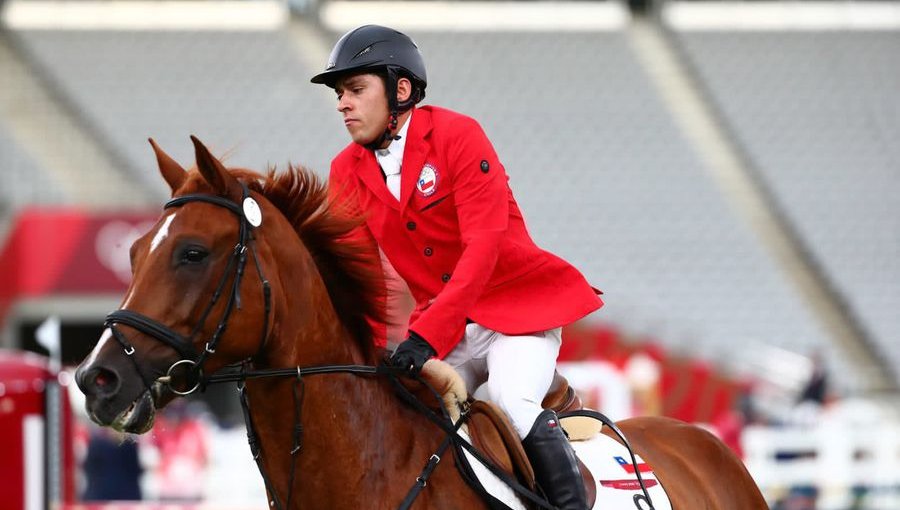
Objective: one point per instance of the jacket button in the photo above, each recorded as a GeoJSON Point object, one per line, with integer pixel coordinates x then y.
{"type": "Point", "coordinates": [411, 225]}
{"type": "Point", "coordinates": [485, 166]}
{"type": "Point", "coordinates": [428, 251]}
{"type": "Point", "coordinates": [445, 277]}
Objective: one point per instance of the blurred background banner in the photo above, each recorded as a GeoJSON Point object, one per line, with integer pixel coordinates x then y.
{"type": "Point", "coordinates": [728, 174]}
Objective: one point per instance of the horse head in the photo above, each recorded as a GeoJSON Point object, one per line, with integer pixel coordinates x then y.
{"type": "Point", "coordinates": [212, 284]}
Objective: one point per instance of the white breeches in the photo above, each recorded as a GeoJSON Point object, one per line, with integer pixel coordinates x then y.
{"type": "Point", "coordinates": [518, 369]}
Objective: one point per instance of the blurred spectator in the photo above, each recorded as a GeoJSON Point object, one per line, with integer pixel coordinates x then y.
{"type": "Point", "coordinates": [798, 498]}
{"type": "Point", "coordinates": [816, 388]}
{"type": "Point", "coordinates": [181, 437]}
{"type": "Point", "coordinates": [111, 467]}
{"type": "Point", "coordinates": [746, 404]}
{"type": "Point", "coordinates": [813, 395]}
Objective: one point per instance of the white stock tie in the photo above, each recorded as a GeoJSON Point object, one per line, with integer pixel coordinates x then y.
{"type": "Point", "coordinates": [393, 183]}
{"type": "Point", "coordinates": [391, 168]}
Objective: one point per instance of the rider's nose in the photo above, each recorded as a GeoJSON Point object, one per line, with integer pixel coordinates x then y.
{"type": "Point", "coordinates": [98, 381]}
{"type": "Point", "coordinates": [342, 105]}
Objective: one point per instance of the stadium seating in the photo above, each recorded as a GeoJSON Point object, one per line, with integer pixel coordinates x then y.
{"type": "Point", "coordinates": [243, 93]}
{"type": "Point", "coordinates": [24, 181]}
{"type": "Point", "coordinates": [818, 114]}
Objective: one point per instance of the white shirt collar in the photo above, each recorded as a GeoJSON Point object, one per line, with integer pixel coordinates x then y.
{"type": "Point", "coordinates": [391, 157]}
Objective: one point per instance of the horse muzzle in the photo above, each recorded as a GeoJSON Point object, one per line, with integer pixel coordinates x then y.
{"type": "Point", "coordinates": [114, 402]}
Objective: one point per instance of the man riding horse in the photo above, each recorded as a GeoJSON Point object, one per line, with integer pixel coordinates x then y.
{"type": "Point", "coordinates": [436, 200]}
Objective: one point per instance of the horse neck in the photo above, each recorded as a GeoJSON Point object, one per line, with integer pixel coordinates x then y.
{"type": "Point", "coordinates": [347, 419]}
{"type": "Point", "coordinates": [306, 329]}
{"type": "Point", "coordinates": [352, 427]}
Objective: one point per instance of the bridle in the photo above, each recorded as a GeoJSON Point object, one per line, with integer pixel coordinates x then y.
{"type": "Point", "coordinates": [249, 217]}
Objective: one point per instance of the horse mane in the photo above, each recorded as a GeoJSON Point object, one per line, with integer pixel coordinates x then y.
{"type": "Point", "coordinates": [348, 264]}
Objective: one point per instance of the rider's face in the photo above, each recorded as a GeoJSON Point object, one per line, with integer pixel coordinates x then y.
{"type": "Point", "coordinates": [363, 104]}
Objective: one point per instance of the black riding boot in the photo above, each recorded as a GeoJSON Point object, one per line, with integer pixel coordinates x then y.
{"type": "Point", "coordinates": [555, 466]}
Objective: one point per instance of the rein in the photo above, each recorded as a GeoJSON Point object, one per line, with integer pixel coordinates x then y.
{"type": "Point", "coordinates": [240, 377]}
{"type": "Point", "coordinates": [443, 422]}
{"type": "Point", "coordinates": [249, 217]}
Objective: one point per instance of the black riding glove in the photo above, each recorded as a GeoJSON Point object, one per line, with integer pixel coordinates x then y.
{"type": "Point", "coordinates": [412, 353]}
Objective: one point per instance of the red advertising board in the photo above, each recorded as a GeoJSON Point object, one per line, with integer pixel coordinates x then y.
{"type": "Point", "coordinates": [64, 251]}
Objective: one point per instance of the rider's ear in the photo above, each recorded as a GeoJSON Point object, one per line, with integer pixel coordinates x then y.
{"type": "Point", "coordinates": [215, 172]}
{"type": "Point", "coordinates": [171, 171]}
{"type": "Point", "coordinates": [404, 89]}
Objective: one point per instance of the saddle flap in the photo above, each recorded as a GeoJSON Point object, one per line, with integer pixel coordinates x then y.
{"type": "Point", "coordinates": [492, 435]}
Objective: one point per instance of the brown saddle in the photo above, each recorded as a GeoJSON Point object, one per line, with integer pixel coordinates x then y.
{"type": "Point", "coordinates": [489, 428]}
{"type": "Point", "coordinates": [493, 435]}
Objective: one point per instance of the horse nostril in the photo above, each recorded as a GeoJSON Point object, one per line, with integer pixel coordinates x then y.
{"type": "Point", "coordinates": [101, 381]}
{"type": "Point", "coordinates": [103, 378]}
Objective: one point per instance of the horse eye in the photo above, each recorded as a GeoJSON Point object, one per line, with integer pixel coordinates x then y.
{"type": "Point", "coordinates": [193, 256]}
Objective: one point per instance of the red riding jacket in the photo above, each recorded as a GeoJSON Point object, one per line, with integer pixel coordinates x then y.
{"type": "Point", "coordinates": [457, 237]}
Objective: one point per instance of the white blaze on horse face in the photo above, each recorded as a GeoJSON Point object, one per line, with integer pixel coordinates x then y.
{"type": "Point", "coordinates": [158, 238]}
{"type": "Point", "coordinates": [107, 334]}
{"type": "Point", "coordinates": [162, 233]}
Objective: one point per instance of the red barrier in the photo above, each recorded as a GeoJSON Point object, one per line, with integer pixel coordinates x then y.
{"type": "Point", "coordinates": [36, 464]}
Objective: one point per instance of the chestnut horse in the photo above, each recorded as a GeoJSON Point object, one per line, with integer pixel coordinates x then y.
{"type": "Point", "coordinates": [261, 269]}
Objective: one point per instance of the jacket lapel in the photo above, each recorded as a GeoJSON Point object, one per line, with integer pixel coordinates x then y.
{"type": "Point", "coordinates": [417, 148]}
{"type": "Point", "coordinates": [368, 170]}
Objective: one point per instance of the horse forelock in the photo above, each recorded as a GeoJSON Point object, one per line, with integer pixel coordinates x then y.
{"type": "Point", "coordinates": [351, 269]}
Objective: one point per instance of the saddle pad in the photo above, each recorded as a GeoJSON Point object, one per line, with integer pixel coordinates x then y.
{"type": "Point", "coordinates": [617, 485]}
{"type": "Point", "coordinates": [610, 466]}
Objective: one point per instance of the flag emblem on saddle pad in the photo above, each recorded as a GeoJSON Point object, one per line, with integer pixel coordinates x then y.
{"type": "Point", "coordinates": [552, 423]}
{"type": "Point", "coordinates": [428, 180]}
{"type": "Point", "coordinates": [629, 467]}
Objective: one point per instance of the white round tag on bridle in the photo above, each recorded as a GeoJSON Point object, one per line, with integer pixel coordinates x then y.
{"type": "Point", "coordinates": [252, 212]}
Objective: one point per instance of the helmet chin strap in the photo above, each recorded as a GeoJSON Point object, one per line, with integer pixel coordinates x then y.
{"type": "Point", "coordinates": [395, 108]}
{"type": "Point", "coordinates": [387, 135]}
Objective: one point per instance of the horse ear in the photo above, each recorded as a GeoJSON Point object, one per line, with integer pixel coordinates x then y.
{"type": "Point", "coordinates": [215, 172]}
{"type": "Point", "coordinates": [171, 171]}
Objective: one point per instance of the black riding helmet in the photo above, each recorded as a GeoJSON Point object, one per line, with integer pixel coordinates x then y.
{"type": "Point", "coordinates": [381, 50]}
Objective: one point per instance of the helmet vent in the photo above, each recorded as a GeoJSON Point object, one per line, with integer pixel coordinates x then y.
{"type": "Point", "coordinates": [373, 49]}
{"type": "Point", "coordinates": [362, 52]}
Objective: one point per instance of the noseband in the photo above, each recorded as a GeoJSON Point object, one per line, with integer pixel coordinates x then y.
{"type": "Point", "coordinates": [249, 218]}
